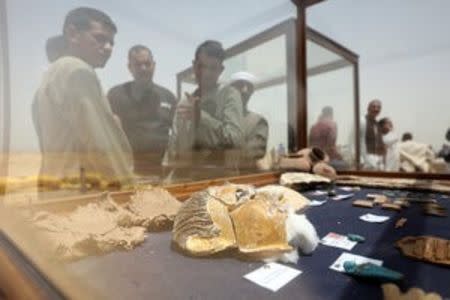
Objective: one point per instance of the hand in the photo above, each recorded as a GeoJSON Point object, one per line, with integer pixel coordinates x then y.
{"type": "Point", "coordinates": [186, 108]}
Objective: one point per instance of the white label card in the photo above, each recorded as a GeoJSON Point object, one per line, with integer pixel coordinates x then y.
{"type": "Point", "coordinates": [272, 276]}
{"type": "Point", "coordinates": [317, 202]}
{"type": "Point", "coordinates": [338, 265]}
{"type": "Point", "coordinates": [338, 241]}
{"type": "Point", "coordinates": [371, 218]}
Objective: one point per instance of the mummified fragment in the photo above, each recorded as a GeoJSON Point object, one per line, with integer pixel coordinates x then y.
{"type": "Point", "coordinates": [156, 206]}
{"type": "Point", "coordinates": [426, 248]}
{"type": "Point", "coordinates": [260, 227]}
{"type": "Point", "coordinates": [203, 226]}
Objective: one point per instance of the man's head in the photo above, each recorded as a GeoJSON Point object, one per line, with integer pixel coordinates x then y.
{"type": "Point", "coordinates": [374, 108]}
{"type": "Point", "coordinates": [407, 136]}
{"type": "Point", "coordinates": [208, 64]}
{"type": "Point", "coordinates": [244, 82]}
{"type": "Point", "coordinates": [55, 47]}
{"type": "Point", "coordinates": [327, 112]}
{"type": "Point", "coordinates": [141, 63]}
{"type": "Point", "coordinates": [385, 125]}
{"type": "Point", "coordinates": [89, 35]}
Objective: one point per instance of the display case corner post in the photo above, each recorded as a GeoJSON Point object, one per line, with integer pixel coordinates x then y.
{"type": "Point", "coordinates": [5, 104]}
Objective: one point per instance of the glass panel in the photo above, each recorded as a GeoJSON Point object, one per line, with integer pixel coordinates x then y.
{"type": "Point", "coordinates": [87, 107]}
{"type": "Point", "coordinates": [331, 100]}
{"type": "Point", "coordinates": [277, 118]}
{"type": "Point", "coordinates": [403, 65]}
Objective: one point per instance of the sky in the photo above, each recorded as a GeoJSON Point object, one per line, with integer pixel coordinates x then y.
{"type": "Point", "coordinates": [403, 46]}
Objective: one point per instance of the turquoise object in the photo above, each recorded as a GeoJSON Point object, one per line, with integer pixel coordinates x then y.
{"type": "Point", "coordinates": [372, 271]}
{"type": "Point", "coordinates": [356, 238]}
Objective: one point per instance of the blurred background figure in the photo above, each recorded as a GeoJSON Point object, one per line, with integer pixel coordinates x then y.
{"type": "Point", "coordinates": [390, 140]}
{"type": "Point", "coordinates": [372, 146]}
{"type": "Point", "coordinates": [323, 135]}
{"type": "Point", "coordinates": [55, 47]}
{"type": "Point", "coordinates": [146, 111]}
{"type": "Point", "coordinates": [444, 153]}
{"type": "Point", "coordinates": [255, 128]}
{"type": "Point", "coordinates": [418, 157]}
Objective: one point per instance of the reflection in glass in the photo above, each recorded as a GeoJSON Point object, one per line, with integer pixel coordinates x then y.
{"type": "Point", "coordinates": [331, 99]}
{"type": "Point", "coordinates": [264, 128]}
{"type": "Point", "coordinates": [406, 73]}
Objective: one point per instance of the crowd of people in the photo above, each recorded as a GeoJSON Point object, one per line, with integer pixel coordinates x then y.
{"type": "Point", "coordinates": [139, 126]}
{"type": "Point", "coordinates": [381, 149]}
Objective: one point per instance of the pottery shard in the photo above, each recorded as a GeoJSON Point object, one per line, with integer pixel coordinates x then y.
{"type": "Point", "coordinates": [260, 228]}
{"type": "Point", "coordinates": [202, 226]}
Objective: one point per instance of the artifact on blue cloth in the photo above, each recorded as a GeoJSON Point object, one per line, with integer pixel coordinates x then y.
{"type": "Point", "coordinates": [426, 248]}
{"type": "Point", "coordinates": [313, 160]}
{"type": "Point", "coordinates": [356, 238]}
{"type": "Point", "coordinates": [302, 181]}
{"type": "Point", "coordinates": [434, 209]}
{"type": "Point", "coordinates": [258, 223]}
{"type": "Point", "coordinates": [372, 271]}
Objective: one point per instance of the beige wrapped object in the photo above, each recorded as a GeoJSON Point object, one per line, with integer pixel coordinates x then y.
{"type": "Point", "coordinates": [156, 206]}
{"type": "Point", "coordinates": [93, 229]}
{"type": "Point", "coordinates": [202, 226]}
{"type": "Point", "coordinates": [291, 179]}
{"type": "Point", "coordinates": [286, 197]}
{"type": "Point", "coordinates": [260, 228]}
{"type": "Point", "coordinates": [325, 170]}
{"type": "Point", "coordinates": [304, 160]}
{"type": "Point", "coordinates": [392, 292]}
{"type": "Point", "coordinates": [426, 248]}
{"type": "Point", "coordinates": [236, 217]}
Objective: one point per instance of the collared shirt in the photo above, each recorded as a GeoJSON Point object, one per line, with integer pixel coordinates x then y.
{"type": "Point", "coordinates": [146, 115]}
{"type": "Point", "coordinates": [75, 124]}
{"type": "Point", "coordinates": [218, 136]}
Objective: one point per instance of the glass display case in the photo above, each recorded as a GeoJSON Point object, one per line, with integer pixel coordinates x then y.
{"type": "Point", "coordinates": [105, 103]}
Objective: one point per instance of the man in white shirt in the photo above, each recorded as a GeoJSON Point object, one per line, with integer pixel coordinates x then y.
{"type": "Point", "coordinates": [390, 140]}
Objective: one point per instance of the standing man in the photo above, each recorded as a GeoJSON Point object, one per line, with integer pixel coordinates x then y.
{"type": "Point", "coordinates": [255, 127]}
{"type": "Point", "coordinates": [390, 140]}
{"type": "Point", "coordinates": [323, 134]}
{"type": "Point", "coordinates": [208, 124]}
{"type": "Point", "coordinates": [76, 128]}
{"type": "Point", "coordinates": [371, 140]}
{"type": "Point", "coordinates": [146, 111]}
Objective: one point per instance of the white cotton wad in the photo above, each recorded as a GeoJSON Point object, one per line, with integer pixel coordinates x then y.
{"type": "Point", "coordinates": [300, 234]}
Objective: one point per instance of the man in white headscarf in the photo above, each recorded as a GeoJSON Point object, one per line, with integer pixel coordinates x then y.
{"type": "Point", "coordinates": [254, 127]}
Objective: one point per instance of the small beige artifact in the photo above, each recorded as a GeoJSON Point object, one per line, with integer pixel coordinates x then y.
{"type": "Point", "coordinates": [156, 206]}
{"type": "Point", "coordinates": [392, 292]}
{"type": "Point", "coordinates": [427, 248]}
{"type": "Point", "coordinates": [363, 203]}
